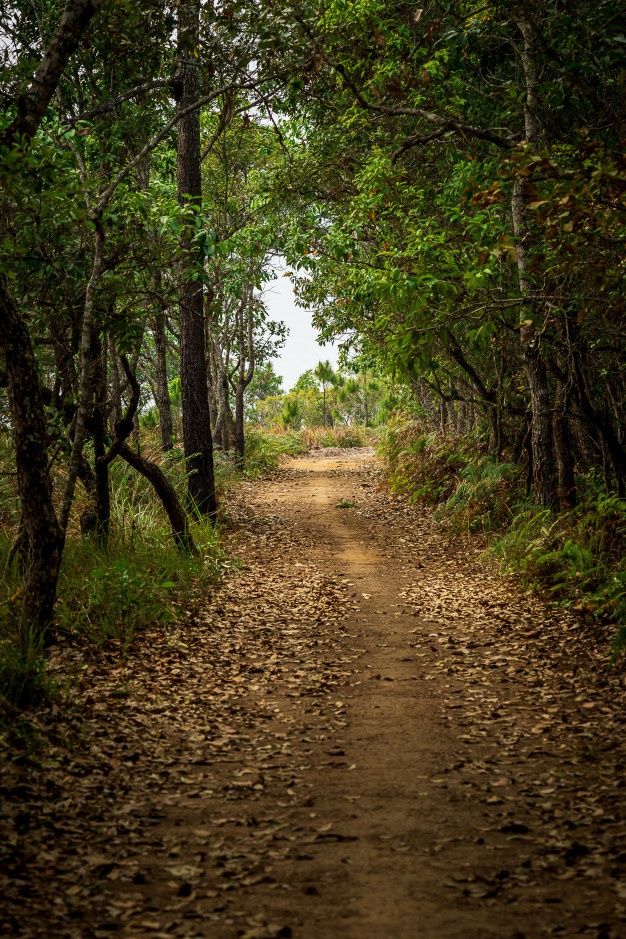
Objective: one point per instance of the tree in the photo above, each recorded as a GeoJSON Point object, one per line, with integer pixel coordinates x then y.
{"type": "Point", "coordinates": [325, 375]}
{"type": "Point", "coordinates": [197, 438]}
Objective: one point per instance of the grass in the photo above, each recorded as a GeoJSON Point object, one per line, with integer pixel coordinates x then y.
{"type": "Point", "coordinates": [106, 597]}
{"type": "Point", "coordinates": [24, 681]}
{"type": "Point", "coordinates": [577, 558]}
{"type": "Point", "coordinates": [264, 449]}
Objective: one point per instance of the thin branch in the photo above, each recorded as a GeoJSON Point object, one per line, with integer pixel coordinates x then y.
{"type": "Point", "coordinates": [154, 142]}
{"type": "Point", "coordinates": [120, 99]}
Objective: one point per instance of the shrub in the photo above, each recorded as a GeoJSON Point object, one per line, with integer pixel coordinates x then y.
{"type": "Point", "coordinates": [265, 448]}
{"type": "Point", "coordinates": [424, 465]}
{"type": "Point", "coordinates": [481, 501]}
{"type": "Point", "coordinates": [578, 557]}
{"type": "Point", "coordinates": [113, 594]}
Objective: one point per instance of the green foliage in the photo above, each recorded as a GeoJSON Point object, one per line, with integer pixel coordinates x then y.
{"type": "Point", "coordinates": [114, 594]}
{"type": "Point", "coordinates": [343, 437]}
{"type": "Point", "coordinates": [107, 596]}
{"type": "Point", "coordinates": [482, 497]}
{"type": "Point", "coordinates": [575, 557]}
{"type": "Point", "coordinates": [424, 465]}
{"type": "Point", "coordinates": [264, 450]}
{"type": "Point", "coordinates": [291, 414]}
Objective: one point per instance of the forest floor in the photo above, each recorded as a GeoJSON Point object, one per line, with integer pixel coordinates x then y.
{"type": "Point", "coordinates": [365, 732]}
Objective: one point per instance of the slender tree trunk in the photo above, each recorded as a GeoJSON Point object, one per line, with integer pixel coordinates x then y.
{"type": "Point", "coordinates": [86, 381]}
{"type": "Point", "coordinates": [545, 484]}
{"type": "Point", "coordinates": [102, 485]}
{"type": "Point", "coordinates": [116, 385]}
{"type": "Point", "coordinates": [245, 372]}
{"type": "Point", "coordinates": [240, 440]}
{"type": "Point", "coordinates": [162, 394]}
{"type": "Point", "coordinates": [563, 449]}
{"type": "Point", "coordinates": [198, 444]}
{"type": "Point", "coordinates": [33, 105]}
{"type": "Point", "coordinates": [45, 538]}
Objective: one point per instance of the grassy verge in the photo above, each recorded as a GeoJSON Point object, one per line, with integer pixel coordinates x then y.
{"type": "Point", "coordinates": [576, 558]}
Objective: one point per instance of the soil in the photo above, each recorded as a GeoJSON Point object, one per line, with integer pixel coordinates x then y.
{"type": "Point", "coordinates": [366, 732]}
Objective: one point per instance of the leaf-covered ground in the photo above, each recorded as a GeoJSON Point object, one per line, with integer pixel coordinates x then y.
{"type": "Point", "coordinates": [364, 732]}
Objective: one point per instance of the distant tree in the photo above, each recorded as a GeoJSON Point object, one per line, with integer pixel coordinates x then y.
{"type": "Point", "coordinates": [306, 381]}
{"type": "Point", "coordinates": [325, 375]}
{"type": "Point", "coordinates": [265, 384]}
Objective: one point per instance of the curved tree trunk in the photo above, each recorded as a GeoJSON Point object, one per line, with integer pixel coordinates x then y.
{"type": "Point", "coordinates": [167, 494]}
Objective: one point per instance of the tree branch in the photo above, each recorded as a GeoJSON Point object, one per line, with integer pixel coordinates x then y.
{"type": "Point", "coordinates": [33, 105]}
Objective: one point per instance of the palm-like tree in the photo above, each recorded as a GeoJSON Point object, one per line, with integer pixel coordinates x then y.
{"type": "Point", "coordinates": [325, 375]}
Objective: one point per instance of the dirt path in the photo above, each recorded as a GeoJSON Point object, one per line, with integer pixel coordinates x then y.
{"type": "Point", "coordinates": [367, 734]}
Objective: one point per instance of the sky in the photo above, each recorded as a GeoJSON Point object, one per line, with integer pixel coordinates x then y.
{"type": "Point", "coordinates": [302, 350]}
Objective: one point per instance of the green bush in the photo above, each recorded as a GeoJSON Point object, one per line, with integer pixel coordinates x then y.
{"type": "Point", "coordinates": [424, 465]}
{"type": "Point", "coordinates": [482, 498]}
{"type": "Point", "coordinates": [343, 437]}
{"type": "Point", "coordinates": [106, 595]}
{"type": "Point", "coordinates": [113, 594]}
{"type": "Point", "coordinates": [578, 557]}
{"type": "Point", "coordinates": [264, 449]}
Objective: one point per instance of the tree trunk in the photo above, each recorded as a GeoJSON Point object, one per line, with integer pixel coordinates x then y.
{"type": "Point", "coordinates": [545, 484]}
{"type": "Point", "coordinates": [240, 441]}
{"type": "Point", "coordinates": [102, 487]}
{"type": "Point", "coordinates": [162, 394]}
{"type": "Point", "coordinates": [563, 449]}
{"type": "Point", "coordinates": [33, 105]}
{"type": "Point", "coordinates": [45, 539]}
{"type": "Point", "coordinates": [166, 493]}
{"type": "Point", "coordinates": [116, 386]}
{"type": "Point", "coordinates": [198, 445]}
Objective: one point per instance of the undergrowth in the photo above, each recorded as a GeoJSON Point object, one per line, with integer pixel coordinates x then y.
{"type": "Point", "coordinates": [264, 449]}
{"type": "Point", "coordinates": [106, 596]}
{"type": "Point", "coordinates": [576, 557]}
{"type": "Point", "coordinates": [266, 446]}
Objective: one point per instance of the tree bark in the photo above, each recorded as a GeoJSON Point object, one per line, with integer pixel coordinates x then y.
{"type": "Point", "coordinates": [545, 484]}
{"type": "Point", "coordinates": [245, 372]}
{"type": "Point", "coordinates": [45, 538]}
{"type": "Point", "coordinates": [563, 448]}
{"type": "Point", "coordinates": [102, 488]}
{"type": "Point", "coordinates": [162, 394]}
{"type": "Point", "coordinates": [86, 379]}
{"type": "Point", "coordinates": [33, 105]}
{"type": "Point", "coordinates": [197, 441]}
{"type": "Point", "coordinates": [167, 494]}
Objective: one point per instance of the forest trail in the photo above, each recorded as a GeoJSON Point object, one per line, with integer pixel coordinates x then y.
{"type": "Point", "coordinates": [365, 734]}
